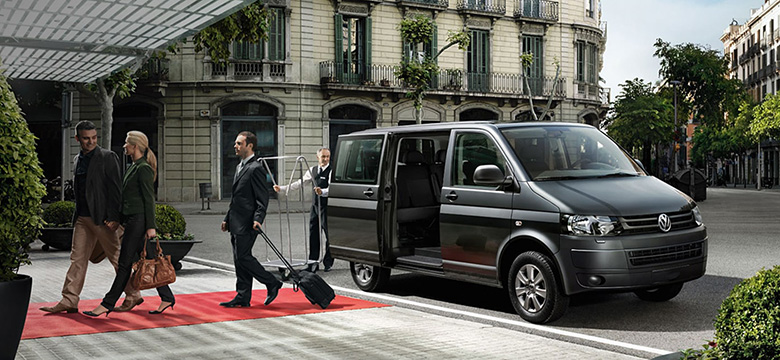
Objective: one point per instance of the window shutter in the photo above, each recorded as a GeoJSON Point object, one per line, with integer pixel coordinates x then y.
{"type": "Point", "coordinates": [368, 46]}
{"type": "Point", "coordinates": [434, 42]}
{"type": "Point", "coordinates": [338, 67]}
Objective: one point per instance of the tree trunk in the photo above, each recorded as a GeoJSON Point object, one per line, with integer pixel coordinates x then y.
{"type": "Point", "coordinates": [106, 120]}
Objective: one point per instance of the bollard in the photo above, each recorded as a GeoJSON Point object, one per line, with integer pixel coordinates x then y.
{"type": "Point", "coordinates": [205, 195]}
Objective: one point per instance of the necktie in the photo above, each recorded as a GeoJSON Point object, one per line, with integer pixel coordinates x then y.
{"type": "Point", "coordinates": [238, 170]}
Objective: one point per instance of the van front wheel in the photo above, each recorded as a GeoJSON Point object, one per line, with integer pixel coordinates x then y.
{"type": "Point", "coordinates": [534, 290]}
{"type": "Point", "coordinates": [369, 277]}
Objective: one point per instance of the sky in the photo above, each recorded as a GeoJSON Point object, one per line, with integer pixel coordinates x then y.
{"type": "Point", "coordinates": [634, 25]}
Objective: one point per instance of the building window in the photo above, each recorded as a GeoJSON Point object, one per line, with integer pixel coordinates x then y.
{"type": "Point", "coordinates": [353, 48]}
{"type": "Point", "coordinates": [590, 8]}
{"type": "Point", "coordinates": [478, 61]}
{"type": "Point", "coordinates": [534, 45]}
{"type": "Point", "coordinates": [587, 62]}
{"type": "Point", "coordinates": [259, 118]}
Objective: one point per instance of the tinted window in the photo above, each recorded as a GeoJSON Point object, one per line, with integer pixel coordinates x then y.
{"type": "Point", "coordinates": [560, 152]}
{"type": "Point", "coordinates": [358, 160]}
{"type": "Point", "coordinates": [471, 151]}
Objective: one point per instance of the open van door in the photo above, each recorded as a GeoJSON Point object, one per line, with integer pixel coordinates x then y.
{"type": "Point", "coordinates": [355, 199]}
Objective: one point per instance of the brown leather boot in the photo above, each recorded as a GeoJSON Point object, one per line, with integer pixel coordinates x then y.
{"type": "Point", "coordinates": [59, 308]}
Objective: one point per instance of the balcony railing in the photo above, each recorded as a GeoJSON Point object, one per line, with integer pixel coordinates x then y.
{"type": "Point", "coordinates": [436, 4]}
{"type": "Point", "coordinates": [454, 80]}
{"type": "Point", "coordinates": [154, 69]}
{"type": "Point", "coordinates": [544, 10]}
{"type": "Point", "coordinates": [262, 70]}
{"type": "Point", "coordinates": [489, 7]}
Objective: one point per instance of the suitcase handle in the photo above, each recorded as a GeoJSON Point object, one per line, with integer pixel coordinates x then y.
{"type": "Point", "coordinates": [293, 272]}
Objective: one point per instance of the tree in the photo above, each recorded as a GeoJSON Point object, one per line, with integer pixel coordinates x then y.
{"type": "Point", "coordinates": [526, 60]}
{"type": "Point", "coordinates": [248, 24]}
{"type": "Point", "coordinates": [641, 119]}
{"type": "Point", "coordinates": [417, 72]}
{"type": "Point", "coordinates": [704, 82]}
{"type": "Point", "coordinates": [766, 119]}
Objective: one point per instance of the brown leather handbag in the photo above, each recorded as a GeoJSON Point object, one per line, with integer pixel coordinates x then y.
{"type": "Point", "coordinates": [153, 273]}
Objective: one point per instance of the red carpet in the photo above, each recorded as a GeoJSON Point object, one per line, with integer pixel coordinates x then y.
{"type": "Point", "coordinates": [189, 309]}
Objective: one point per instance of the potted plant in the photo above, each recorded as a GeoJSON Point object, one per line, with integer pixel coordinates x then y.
{"type": "Point", "coordinates": [20, 216]}
{"type": "Point", "coordinates": [171, 228]}
{"type": "Point", "coordinates": [58, 228]}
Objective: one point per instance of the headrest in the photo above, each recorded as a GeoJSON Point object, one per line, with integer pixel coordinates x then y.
{"type": "Point", "coordinates": [441, 155]}
{"type": "Point", "coordinates": [413, 157]}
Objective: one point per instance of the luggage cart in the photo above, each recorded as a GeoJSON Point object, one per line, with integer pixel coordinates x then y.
{"type": "Point", "coordinates": [286, 242]}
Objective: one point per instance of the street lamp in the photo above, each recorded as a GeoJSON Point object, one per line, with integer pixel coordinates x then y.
{"type": "Point", "coordinates": [672, 148]}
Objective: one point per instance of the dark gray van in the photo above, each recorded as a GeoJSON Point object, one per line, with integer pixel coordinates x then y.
{"type": "Point", "coordinates": [545, 210]}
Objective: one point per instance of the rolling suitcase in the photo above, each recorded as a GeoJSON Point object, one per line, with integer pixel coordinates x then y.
{"type": "Point", "coordinates": [316, 290]}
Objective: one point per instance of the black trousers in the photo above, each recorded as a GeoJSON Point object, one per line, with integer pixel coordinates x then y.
{"type": "Point", "coordinates": [314, 231]}
{"type": "Point", "coordinates": [247, 266]}
{"type": "Point", "coordinates": [130, 252]}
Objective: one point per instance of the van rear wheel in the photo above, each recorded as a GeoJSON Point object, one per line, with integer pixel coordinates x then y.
{"type": "Point", "coordinates": [659, 294]}
{"type": "Point", "coordinates": [534, 290]}
{"type": "Point", "coordinates": [369, 277]}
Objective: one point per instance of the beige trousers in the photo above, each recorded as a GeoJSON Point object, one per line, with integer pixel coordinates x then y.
{"type": "Point", "coordinates": [87, 235]}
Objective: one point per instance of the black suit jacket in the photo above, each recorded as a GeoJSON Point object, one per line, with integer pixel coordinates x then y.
{"type": "Point", "coordinates": [103, 189]}
{"type": "Point", "coordinates": [250, 199]}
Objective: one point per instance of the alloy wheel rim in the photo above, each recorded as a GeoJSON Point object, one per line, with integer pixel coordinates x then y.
{"type": "Point", "coordinates": [531, 288]}
{"type": "Point", "coordinates": [363, 273]}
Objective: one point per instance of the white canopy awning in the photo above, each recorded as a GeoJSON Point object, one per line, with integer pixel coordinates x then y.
{"type": "Point", "coordinates": [82, 40]}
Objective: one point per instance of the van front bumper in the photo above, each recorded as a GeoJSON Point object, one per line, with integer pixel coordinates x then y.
{"type": "Point", "coordinates": [632, 262]}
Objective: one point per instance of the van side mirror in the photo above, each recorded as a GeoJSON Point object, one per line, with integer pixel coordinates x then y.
{"type": "Point", "coordinates": [640, 165]}
{"type": "Point", "coordinates": [490, 175]}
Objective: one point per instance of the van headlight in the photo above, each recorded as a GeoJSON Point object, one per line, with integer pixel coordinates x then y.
{"type": "Point", "coordinates": [591, 225]}
{"type": "Point", "coordinates": [697, 216]}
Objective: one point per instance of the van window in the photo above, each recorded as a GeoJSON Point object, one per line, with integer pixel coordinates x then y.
{"type": "Point", "coordinates": [559, 152]}
{"type": "Point", "coordinates": [471, 151]}
{"type": "Point", "coordinates": [358, 161]}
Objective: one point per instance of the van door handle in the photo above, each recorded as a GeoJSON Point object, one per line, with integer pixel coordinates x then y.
{"type": "Point", "coordinates": [452, 196]}
{"type": "Point", "coordinates": [368, 192]}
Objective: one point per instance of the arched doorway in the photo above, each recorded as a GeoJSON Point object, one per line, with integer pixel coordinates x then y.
{"type": "Point", "coordinates": [478, 114]}
{"type": "Point", "coordinates": [258, 117]}
{"type": "Point", "coordinates": [347, 119]}
{"type": "Point", "coordinates": [134, 116]}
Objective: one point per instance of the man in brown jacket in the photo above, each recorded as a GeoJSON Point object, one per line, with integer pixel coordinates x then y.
{"type": "Point", "coordinates": [96, 185]}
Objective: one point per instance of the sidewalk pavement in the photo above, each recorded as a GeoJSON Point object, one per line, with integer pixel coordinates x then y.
{"type": "Point", "coordinates": [391, 332]}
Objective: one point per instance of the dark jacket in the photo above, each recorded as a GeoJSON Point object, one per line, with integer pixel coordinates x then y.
{"type": "Point", "coordinates": [138, 192]}
{"type": "Point", "coordinates": [250, 199]}
{"type": "Point", "coordinates": [103, 189]}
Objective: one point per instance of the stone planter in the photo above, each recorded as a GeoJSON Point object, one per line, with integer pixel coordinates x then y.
{"type": "Point", "coordinates": [58, 238]}
{"type": "Point", "coordinates": [14, 301]}
{"type": "Point", "coordinates": [177, 249]}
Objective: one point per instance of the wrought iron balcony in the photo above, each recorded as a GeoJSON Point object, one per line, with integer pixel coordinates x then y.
{"type": "Point", "coordinates": [382, 78]}
{"type": "Point", "coordinates": [154, 69]}
{"type": "Point", "coordinates": [483, 7]}
{"type": "Point", "coordinates": [238, 70]}
{"type": "Point", "coordinates": [428, 4]}
{"type": "Point", "coordinates": [537, 10]}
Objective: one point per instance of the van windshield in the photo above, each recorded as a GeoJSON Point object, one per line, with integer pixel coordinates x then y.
{"type": "Point", "coordinates": [561, 152]}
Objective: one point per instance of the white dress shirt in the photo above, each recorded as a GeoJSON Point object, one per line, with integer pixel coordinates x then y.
{"type": "Point", "coordinates": [307, 177]}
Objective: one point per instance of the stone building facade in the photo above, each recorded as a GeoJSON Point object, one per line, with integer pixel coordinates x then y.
{"type": "Point", "coordinates": [327, 69]}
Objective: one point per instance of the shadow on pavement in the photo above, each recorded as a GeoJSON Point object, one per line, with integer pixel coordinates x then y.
{"type": "Point", "coordinates": [694, 309]}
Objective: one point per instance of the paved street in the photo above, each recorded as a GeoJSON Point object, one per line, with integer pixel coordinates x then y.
{"type": "Point", "coordinates": [742, 228]}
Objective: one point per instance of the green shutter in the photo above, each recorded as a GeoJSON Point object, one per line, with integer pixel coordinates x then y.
{"type": "Point", "coordinates": [434, 42]}
{"type": "Point", "coordinates": [368, 49]}
{"type": "Point", "coordinates": [338, 67]}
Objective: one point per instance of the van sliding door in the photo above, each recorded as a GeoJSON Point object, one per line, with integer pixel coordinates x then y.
{"type": "Point", "coordinates": [355, 199]}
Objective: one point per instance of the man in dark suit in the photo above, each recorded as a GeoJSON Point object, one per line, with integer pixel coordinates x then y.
{"type": "Point", "coordinates": [244, 220]}
{"type": "Point", "coordinates": [96, 219]}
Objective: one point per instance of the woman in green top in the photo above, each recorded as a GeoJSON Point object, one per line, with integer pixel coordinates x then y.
{"type": "Point", "coordinates": [138, 220]}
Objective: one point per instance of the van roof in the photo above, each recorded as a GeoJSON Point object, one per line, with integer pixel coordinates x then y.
{"type": "Point", "coordinates": [459, 125]}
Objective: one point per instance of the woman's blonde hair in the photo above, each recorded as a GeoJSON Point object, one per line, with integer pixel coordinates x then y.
{"type": "Point", "coordinates": [140, 140]}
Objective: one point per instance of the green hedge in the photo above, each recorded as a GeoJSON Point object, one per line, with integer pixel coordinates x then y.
{"type": "Point", "coordinates": [59, 214]}
{"type": "Point", "coordinates": [21, 189]}
{"type": "Point", "coordinates": [748, 322]}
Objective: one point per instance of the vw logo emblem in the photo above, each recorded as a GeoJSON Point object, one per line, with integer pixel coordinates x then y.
{"type": "Point", "coordinates": [664, 222]}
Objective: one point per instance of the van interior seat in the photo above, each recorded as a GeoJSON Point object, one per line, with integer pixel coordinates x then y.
{"type": "Point", "coordinates": [437, 171]}
{"type": "Point", "coordinates": [416, 199]}
{"type": "Point", "coordinates": [532, 158]}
